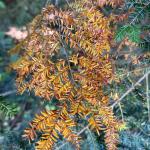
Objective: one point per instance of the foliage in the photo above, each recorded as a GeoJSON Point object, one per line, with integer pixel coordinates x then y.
{"type": "Point", "coordinates": [75, 78]}
{"type": "Point", "coordinates": [129, 62]}
{"type": "Point", "coordinates": [138, 140]}
{"type": "Point", "coordinates": [132, 62]}
{"type": "Point", "coordinates": [7, 109]}
{"type": "Point", "coordinates": [130, 31]}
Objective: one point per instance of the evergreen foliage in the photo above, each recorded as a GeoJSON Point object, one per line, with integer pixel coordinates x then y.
{"type": "Point", "coordinates": [74, 79]}
{"type": "Point", "coordinates": [7, 109]}
{"type": "Point", "coordinates": [132, 32]}
{"type": "Point", "coordinates": [129, 57]}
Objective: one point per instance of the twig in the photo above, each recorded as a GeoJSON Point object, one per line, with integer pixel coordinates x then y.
{"type": "Point", "coordinates": [142, 130]}
{"type": "Point", "coordinates": [67, 3]}
{"type": "Point", "coordinates": [136, 16]}
{"type": "Point", "coordinates": [142, 68]}
{"type": "Point", "coordinates": [121, 111]}
{"type": "Point", "coordinates": [68, 62]}
{"type": "Point", "coordinates": [130, 90]}
{"type": "Point", "coordinates": [147, 97]}
{"type": "Point", "coordinates": [92, 138]}
{"type": "Point", "coordinates": [8, 93]}
{"type": "Point", "coordinates": [80, 132]}
{"type": "Point", "coordinates": [139, 13]}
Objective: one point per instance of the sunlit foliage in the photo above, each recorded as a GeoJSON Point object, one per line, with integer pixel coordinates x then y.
{"type": "Point", "coordinates": [66, 56]}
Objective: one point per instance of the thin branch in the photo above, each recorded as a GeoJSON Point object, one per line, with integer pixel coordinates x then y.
{"type": "Point", "coordinates": [121, 111]}
{"type": "Point", "coordinates": [94, 148]}
{"type": "Point", "coordinates": [147, 97]}
{"type": "Point", "coordinates": [135, 17]}
{"type": "Point", "coordinates": [130, 90]}
{"type": "Point", "coordinates": [8, 93]}
{"type": "Point", "coordinates": [139, 13]}
{"type": "Point", "coordinates": [67, 3]}
{"type": "Point", "coordinates": [80, 132]}
{"type": "Point", "coordinates": [68, 62]}
{"type": "Point", "coordinates": [142, 130]}
{"type": "Point", "coordinates": [142, 68]}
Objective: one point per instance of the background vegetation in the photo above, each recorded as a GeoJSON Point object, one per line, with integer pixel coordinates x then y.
{"type": "Point", "coordinates": [131, 66]}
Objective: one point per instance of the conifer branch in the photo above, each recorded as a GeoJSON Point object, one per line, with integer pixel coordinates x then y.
{"type": "Point", "coordinates": [130, 90]}
{"type": "Point", "coordinates": [139, 13]}
{"type": "Point", "coordinates": [49, 73]}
